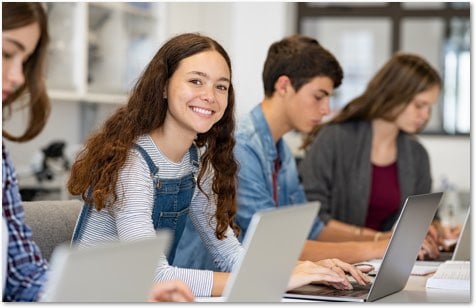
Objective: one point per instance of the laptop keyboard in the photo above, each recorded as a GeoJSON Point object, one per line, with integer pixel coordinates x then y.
{"type": "Point", "coordinates": [358, 291]}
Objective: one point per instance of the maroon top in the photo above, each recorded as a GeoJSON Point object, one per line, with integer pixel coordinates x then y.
{"type": "Point", "coordinates": [384, 195]}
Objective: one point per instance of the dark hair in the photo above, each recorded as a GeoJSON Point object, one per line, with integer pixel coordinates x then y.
{"type": "Point", "coordinates": [387, 94]}
{"type": "Point", "coordinates": [106, 151]}
{"type": "Point", "coordinates": [16, 15]}
{"type": "Point", "coordinates": [301, 58]}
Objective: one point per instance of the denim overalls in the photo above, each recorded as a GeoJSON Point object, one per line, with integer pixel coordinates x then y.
{"type": "Point", "coordinates": [172, 199]}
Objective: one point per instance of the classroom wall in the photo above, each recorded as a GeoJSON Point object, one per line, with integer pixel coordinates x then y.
{"type": "Point", "coordinates": [245, 29]}
{"type": "Point", "coordinates": [450, 159]}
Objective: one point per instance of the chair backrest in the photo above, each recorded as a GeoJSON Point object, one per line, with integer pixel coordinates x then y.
{"type": "Point", "coordinates": [52, 222]}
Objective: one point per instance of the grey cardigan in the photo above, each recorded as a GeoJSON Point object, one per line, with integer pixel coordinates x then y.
{"type": "Point", "coordinates": [336, 170]}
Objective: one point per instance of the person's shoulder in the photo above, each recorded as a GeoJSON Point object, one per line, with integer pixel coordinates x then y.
{"type": "Point", "coordinates": [415, 145]}
{"type": "Point", "coordinates": [245, 127]}
{"type": "Point", "coordinates": [144, 140]}
{"type": "Point", "coordinates": [349, 128]}
{"type": "Point", "coordinates": [354, 126]}
{"type": "Point", "coordinates": [143, 144]}
{"type": "Point", "coordinates": [415, 142]}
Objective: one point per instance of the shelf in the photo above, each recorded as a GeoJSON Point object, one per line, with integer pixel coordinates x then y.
{"type": "Point", "coordinates": [99, 98]}
{"type": "Point", "coordinates": [98, 50]}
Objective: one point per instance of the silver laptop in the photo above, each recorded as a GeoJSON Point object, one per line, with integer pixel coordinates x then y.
{"type": "Point", "coordinates": [397, 263]}
{"type": "Point", "coordinates": [462, 250]}
{"type": "Point", "coordinates": [272, 245]}
{"type": "Point", "coordinates": [110, 272]}
{"type": "Point", "coordinates": [461, 246]}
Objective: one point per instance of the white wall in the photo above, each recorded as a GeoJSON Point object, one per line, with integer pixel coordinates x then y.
{"type": "Point", "coordinates": [450, 158]}
{"type": "Point", "coordinates": [255, 27]}
{"type": "Point", "coordinates": [63, 124]}
{"type": "Point", "coordinates": [245, 29]}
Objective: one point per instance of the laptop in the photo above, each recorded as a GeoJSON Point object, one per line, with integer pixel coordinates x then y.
{"type": "Point", "coordinates": [121, 271]}
{"type": "Point", "coordinates": [272, 245]}
{"type": "Point", "coordinates": [462, 250]}
{"type": "Point", "coordinates": [462, 245]}
{"type": "Point", "coordinates": [397, 263]}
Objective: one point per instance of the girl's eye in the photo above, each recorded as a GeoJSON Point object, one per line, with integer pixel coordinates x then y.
{"type": "Point", "coordinates": [319, 98]}
{"type": "Point", "coordinates": [222, 88]}
{"type": "Point", "coordinates": [7, 55]}
{"type": "Point", "coordinates": [196, 81]}
{"type": "Point", "coordinates": [420, 105]}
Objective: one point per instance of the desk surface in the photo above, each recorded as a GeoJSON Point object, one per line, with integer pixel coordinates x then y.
{"type": "Point", "coordinates": [415, 292]}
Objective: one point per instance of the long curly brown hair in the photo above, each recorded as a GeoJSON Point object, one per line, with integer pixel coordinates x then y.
{"type": "Point", "coordinates": [387, 94]}
{"type": "Point", "coordinates": [16, 15]}
{"type": "Point", "coordinates": [95, 172]}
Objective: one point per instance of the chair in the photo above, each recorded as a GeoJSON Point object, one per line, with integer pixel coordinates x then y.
{"type": "Point", "coordinates": [52, 222]}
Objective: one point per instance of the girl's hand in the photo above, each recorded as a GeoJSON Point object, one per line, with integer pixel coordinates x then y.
{"type": "Point", "coordinates": [429, 249]}
{"type": "Point", "coordinates": [343, 269]}
{"type": "Point", "coordinates": [329, 272]}
{"type": "Point", "coordinates": [171, 291]}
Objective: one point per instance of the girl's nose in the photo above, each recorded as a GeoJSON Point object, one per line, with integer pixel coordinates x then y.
{"type": "Point", "coordinates": [426, 113]}
{"type": "Point", "coordinates": [208, 94]}
{"type": "Point", "coordinates": [15, 74]}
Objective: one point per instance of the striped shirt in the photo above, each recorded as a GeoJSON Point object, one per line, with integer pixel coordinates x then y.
{"type": "Point", "coordinates": [130, 217]}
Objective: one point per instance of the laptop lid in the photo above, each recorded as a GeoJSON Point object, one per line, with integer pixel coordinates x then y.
{"type": "Point", "coordinates": [121, 271]}
{"type": "Point", "coordinates": [461, 246]}
{"type": "Point", "coordinates": [462, 250]}
{"type": "Point", "coordinates": [272, 245]}
{"type": "Point", "coordinates": [400, 255]}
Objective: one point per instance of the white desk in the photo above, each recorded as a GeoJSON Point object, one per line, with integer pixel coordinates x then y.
{"type": "Point", "coordinates": [416, 292]}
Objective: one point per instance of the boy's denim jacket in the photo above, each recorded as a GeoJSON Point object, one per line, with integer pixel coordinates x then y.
{"type": "Point", "coordinates": [256, 152]}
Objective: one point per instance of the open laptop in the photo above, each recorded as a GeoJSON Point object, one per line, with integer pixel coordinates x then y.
{"type": "Point", "coordinates": [462, 245]}
{"type": "Point", "coordinates": [111, 272]}
{"type": "Point", "coordinates": [272, 245]}
{"type": "Point", "coordinates": [402, 250]}
{"type": "Point", "coordinates": [462, 250]}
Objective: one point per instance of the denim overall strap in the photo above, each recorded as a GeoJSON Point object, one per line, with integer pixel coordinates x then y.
{"type": "Point", "coordinates": [172, 198]}
{"type": "Point", "coordinates": [81, 222]}
{"type": "Point", "coordinates": [194, 161]}
{"type": "Point", "coordinates": [154, 170]}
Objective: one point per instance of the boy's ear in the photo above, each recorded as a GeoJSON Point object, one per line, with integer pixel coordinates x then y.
{"type": "Point", "coordinates": [281, 85]}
